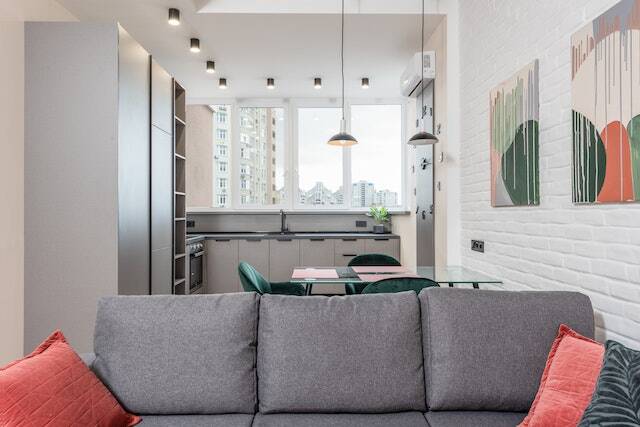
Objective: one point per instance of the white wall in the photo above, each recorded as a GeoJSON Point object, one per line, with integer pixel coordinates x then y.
{"type": "Point", "coordinates": [12, 16]}
{"type": "Point", "coordinates": [556, 246]}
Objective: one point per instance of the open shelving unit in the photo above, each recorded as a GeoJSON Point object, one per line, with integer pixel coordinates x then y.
{"type": "Point", "coordinates": [179, 206]}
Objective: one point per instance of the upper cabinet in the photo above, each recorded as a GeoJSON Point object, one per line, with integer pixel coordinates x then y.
{"type": "Point", "coordinates": [161, 98]}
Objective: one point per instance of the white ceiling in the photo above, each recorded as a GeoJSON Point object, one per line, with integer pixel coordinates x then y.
{"type": "Point", "coordinates": [278, 42]}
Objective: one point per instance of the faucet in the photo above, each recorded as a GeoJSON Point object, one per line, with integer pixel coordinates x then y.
{"type": "Point", "coordinates": [283, 222]}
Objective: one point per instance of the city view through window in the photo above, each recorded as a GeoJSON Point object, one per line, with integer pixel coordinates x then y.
{"type": "Point", "coordinates": [375, 163]}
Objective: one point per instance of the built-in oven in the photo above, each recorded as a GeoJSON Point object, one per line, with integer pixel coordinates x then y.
{"type": "Point", "coordinates": [197, 262]}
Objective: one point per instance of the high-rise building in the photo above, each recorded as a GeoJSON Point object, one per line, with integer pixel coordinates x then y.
{"type": "Point", "coordinates": [386, 198]}
{"type": "Point", "coordinates": [221, 155]}
{"type": "Point", "coordinates": [362, 194]}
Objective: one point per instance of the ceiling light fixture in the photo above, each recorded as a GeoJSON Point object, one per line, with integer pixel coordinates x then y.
{"type": "Point", "coordinates": [222, 83]}
{"type": "Point", "coordinates": [317, 83]}
{"type": "Point", "coordinates": [211, 67]}
{"type": "Point", "coordinates": [195, 45]}
{"type": "Point", "coordinates": [342, 139]}
{"type": "Point", "coordinates": [174, 17]}
{"type": "Point", "coordinates": [365, 83]}
{"type": "Point", "coordinates": [271, 84]}
{"type": "Point", "coordinates": [422, 137]}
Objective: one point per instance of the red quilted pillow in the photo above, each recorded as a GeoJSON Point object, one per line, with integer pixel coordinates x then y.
{"type": "Point", "coordinates": [52, 386]}
{"type": "Point", "coordinates": [568, 381]}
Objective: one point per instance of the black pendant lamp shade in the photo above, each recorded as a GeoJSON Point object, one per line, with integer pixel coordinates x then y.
{"type": "Point", "coordinates": [342, 139]}
{"type": "Point", "coordinates": [174, 17]}
{"type": "Point", "coordinates": [422, 137]}
{"type": "Point", "coordinates": [211, 67]}
{"type": "Point", "coordinates": [194, 45]}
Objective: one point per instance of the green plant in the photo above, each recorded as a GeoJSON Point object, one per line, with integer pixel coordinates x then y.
{"type": "Point", "coordinates": [380, 214]}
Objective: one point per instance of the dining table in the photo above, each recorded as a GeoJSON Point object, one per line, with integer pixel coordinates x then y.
{"type": "Point", "coordinates": [445, 276]}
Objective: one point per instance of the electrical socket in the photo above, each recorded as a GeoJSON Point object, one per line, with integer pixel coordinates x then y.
{"type": "Point", "coordinates": [361, 224]}
{"type": "Point", "coordinates": [477, 245]}
{"type": "Point", "coordinates": [191, 223]}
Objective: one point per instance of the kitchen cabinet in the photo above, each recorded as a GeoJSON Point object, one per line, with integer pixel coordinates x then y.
{"type": "Point", "coordinates": [284, 256]}
{"type": "Point", "coordinates": [317, 252]}
{"type": "Point", "coordinates": [383, 245]}
{"type": "Point", "coordinates": [161, 98]}
{"type": "Point", "coordinates": [161, 278]}
{"type": "Point", "coordinates": [222, 266]}
{"type": "Point", "coordinates": [346, 249]}
{"type": "Point", "coordinates": [256, 253]}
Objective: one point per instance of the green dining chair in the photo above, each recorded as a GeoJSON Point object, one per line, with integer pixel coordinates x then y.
{"type": "Point", "coordinates": [399, 284]}
{"type": "Point", "coordinates": [366, 260]}
{"type": "Point", "coordinates": [253, 281]}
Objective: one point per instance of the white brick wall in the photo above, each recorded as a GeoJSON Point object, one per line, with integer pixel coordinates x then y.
{"type": "Point", "coordinates": [556, 246]}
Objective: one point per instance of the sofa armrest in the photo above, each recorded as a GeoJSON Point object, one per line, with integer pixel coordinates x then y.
{"type": "Point", "coordinates": [88, 359]}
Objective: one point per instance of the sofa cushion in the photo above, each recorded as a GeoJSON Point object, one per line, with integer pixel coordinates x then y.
{"type": "Point", "coordinates": [359, 354]}
{"type": "Point", "coordinates": [179, 354]}
{"type": "Point", "coordinates": [486, 350]}
{"type": "Point", "coordinates": [401, 419]}
{"type": "Point", "coordinates": [229, 420]}
{"type": "Point", "coordinates": [474, 419]}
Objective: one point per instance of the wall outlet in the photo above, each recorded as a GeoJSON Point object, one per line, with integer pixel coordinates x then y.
{"type": "Point", "coordinates": [361, 224]}
{"type": "Point", "coordinates": [477, 245]}
{"type": "Point", "coordinates": [191, 223]}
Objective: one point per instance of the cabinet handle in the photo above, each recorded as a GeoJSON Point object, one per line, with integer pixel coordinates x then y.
{"type": "Point", "coordinates": [223, 240]}
{"type": "Point", "coordinates": [283, 240]}
{"type": "Point", "coordinates": [350, 255]}
{"type": "Point", "coordinates": [317, 240]}
{"type": "Point", "coordinates": [381, 239]}
{"type": "Point", "coordinates": [254, 240]}
{"type": "Point", "coordinates": [349, 240]}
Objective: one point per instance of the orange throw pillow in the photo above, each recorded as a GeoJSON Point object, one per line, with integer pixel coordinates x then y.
{"type": "Point", "coordinates": [568, 381]}
{"type": "Point", "coordinates": [52, 386]}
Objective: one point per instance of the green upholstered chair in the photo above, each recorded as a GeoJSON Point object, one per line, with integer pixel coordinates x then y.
{"type": "Point", "coordinates": [399, 284]}
{"type": "Point", "coordinates": [365, 260]}
{"type": "Point", "coordinates": [253, 281]}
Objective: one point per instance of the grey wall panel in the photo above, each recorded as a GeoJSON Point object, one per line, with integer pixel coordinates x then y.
{"type": "Point", "coordinates": [71, 176]}
{"type": "Point", "coordinates": [161, 98]}
{"type": "Point", "coordinates": [161, 189]}
{"type": "Point", "coordinates": [161, 277]}
{"type": "Point", "coordinates": [134, 182]}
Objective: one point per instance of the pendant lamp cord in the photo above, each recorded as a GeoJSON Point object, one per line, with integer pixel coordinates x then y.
{"type": "Point", "coordinates": [342, 57]}
{"type": "Point", "coordinates": [422, 113]}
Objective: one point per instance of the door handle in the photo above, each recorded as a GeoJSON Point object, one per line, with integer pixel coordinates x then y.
{"type": "Point", "coordinates": [424, 214]}
{"type": "Point", "coordinates": [417, 209]}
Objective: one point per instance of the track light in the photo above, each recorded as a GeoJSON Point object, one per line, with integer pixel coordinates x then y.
{"type": "Point", "coordinates": [365, 83]}
{"type": "Point", "coordinates": [211, 67]}
{"type": "Point", "coordinates": [317, 83]}
{"type": "Point", "coordinates": [174, 17]}
{"type": "Point", "coordinates": [222, 83]}
{"type": "Point", "coordinates": [271, 84]}
{"type": "Point", "coordinates": [195, 45]}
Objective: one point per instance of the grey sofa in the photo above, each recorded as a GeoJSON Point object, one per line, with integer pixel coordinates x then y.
{"type": "Point", "coordinates": [448, 357]}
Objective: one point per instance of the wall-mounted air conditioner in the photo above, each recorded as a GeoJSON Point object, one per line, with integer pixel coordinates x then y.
{"type": "Point", "coordinates": [410, 82]}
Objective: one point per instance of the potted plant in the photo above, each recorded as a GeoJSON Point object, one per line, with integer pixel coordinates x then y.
{"type": "Point", "coordinates": [381, 216]}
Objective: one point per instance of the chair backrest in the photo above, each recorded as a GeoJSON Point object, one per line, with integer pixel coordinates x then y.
{"type": "Point", "coordinates": [373, 260]}
{"type": "Point", "coordinates": [252, 280]}
{"type": "Point", "coordinates": [399, 284]}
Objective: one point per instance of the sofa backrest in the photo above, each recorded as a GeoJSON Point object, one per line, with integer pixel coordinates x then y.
{"type": "Point", "coordinates": [486, 350]}
{"type": "Point", "coordinates": [179, 355]}
{"type": "Point", "coordinates": [341, 354]}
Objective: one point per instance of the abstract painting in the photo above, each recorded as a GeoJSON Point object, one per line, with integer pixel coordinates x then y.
{"type": "Point", "coordinates": [513, 116]}
{"type": "Point", "coordinates": [605, 102]}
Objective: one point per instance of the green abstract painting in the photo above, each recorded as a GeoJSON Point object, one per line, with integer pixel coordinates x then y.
{"type": "Point", "coordinates": [514, 132]}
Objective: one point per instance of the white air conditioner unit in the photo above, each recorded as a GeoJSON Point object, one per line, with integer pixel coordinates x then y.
{"type": "Point", "coordinates": [410, 81]}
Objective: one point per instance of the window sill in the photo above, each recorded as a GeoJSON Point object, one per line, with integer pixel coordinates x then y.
{"type": "Point", "coordinates": [204, 211]}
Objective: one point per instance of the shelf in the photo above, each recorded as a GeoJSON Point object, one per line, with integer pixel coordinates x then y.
{"type": "Point", "coordinates": [181, 219]}
{"type": "Point", "coordinates": [178, 256]}
{"type": "Point", "coordinates": [179, 281]}
{"type": "Point", "coordinates": [179, 193]}
{"type": "Point", "coordinates": [180, 156]}
{"type": "Point", "coordinates": [179, 120]}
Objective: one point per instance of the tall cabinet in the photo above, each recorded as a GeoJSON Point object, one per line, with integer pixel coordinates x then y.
{"type": "Point", "coordinates": [99, 175]}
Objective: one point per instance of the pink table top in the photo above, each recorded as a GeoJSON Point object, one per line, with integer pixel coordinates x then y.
{"type": "Point", "coordinates": [314, 273]}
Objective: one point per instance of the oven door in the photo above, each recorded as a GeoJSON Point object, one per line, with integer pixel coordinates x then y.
{"type": "Point", "coordinates": [196, 270]}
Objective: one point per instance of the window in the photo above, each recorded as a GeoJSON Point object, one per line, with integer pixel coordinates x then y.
{"type": "Point", "coordinates": [220, 168]}
{"type": "Point", "coordinates": [261, 154]}
{"type": "Point", "coordinates": [320, 174]}
{"type": "Point", "coordinates": [376, 161]}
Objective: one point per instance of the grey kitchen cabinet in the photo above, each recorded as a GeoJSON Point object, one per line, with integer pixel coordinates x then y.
{"type": "Point", "coordinates": [161, 189]}
{"type": "Point", "coordinates": [346, 249]}
{"type": "Point", "coordinates": [284, 256]}
{"type": "Point", "coordinates": [161, 98]}
{"type": "Point", "coordinates": [317, 252]}
{"type": "Point", "coordinates": [256, 253]}
{"type": "Point", "coordinates": [222, 266]}
{"type": "Point", "coordinates": [383, 245]}
{"type": "Point", "coordinates": [161, 278]}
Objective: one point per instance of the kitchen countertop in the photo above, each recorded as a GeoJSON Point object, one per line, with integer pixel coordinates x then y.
{"type": "Point", "coordinates": [293, 235]}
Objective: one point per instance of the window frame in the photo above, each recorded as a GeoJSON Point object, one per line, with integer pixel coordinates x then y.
{"type": "Point", "coordinates": [290, 143]}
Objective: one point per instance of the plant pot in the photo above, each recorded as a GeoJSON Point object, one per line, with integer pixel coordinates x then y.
{"type": "Point", "coordinates": [379, 229]}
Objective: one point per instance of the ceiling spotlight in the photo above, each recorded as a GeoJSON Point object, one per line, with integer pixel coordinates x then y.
{"type": "Point", "coordinates": [222, 84]}
{"type": "Point", "coordinates": [211, 67]}
{"type": "Point", "coordinates": [365, 83]}
{"type": "Point", "coordinates": [174, 17]}
{"type": "Point", "coordinates": [317, 83]}
{"type": "Point", "coordinates": [195, 45]}
{"type": "Point", "coordinates": [271, 84]}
